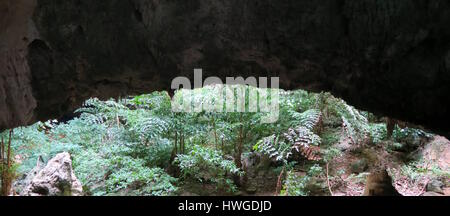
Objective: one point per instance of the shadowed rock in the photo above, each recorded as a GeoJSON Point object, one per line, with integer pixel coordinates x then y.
{"type": "Point", "coordinates": [389, 57]}
{"type": "Point", "coordinates": [379, 183]}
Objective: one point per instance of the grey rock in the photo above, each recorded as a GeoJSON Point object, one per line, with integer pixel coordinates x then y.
{"type": "Point", "coordinates": [435, 186]}
{"type": "Point", "coordinates": [55, 179]}
{"type": "Point", "coordinates": [21, 183]}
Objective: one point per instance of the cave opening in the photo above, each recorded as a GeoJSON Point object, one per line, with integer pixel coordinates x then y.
{"type": "Point", "coordinates": [374, 123]}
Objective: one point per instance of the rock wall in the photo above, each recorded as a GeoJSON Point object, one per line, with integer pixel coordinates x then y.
{"type": "Point", "coordinates": [389, 57]}
{"type": "Point", "coordinates": [17, 102]}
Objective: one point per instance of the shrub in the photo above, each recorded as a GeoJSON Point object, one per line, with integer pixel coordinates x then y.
{"type": "Point", "coordinates": [378, 132]}
{"type": "Point", "coordinates": [296, 185]}
{"type": "Point", "coordinates": [206, 164]}
{"type": "Point", "coordinates": [131, 174]}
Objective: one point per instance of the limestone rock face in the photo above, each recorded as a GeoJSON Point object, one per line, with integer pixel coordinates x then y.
{"type": "Point", "coordinates": [388, 57]}
{"type": "Point", "coordinates": [55, 179]}
{"type": "Point", "coordinates": [21, 184]}
{"type": "Point", "coordinates": [437, 152]}
{"type": "Point", "coordinates": [17, 102]}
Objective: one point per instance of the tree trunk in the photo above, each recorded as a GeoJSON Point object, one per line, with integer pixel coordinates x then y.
{"type": "Point", "coordinates": [215, 133]}
{"type": "Point", "coordinates": [237, 158]}
{"type": "Point", "coordinates": [174, 151]}
{"type": "Point", "coordinates": [390, 126]}
{"type": "Point", "coordinates": [5, 163]}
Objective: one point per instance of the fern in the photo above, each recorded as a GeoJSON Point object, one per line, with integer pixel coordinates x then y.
{"type": "Point", "coordinates": [305, 142]}
{"type": "Point", "coordinates": [146, 127]}
{"type": "Point", "coordinates": [310, 119]}
{"type": "Point", "coordinates": [157, 102]}
{"type": "Point", "coordinates": [206, 164]}
{"type": "Point", "coordinates": [355, 125]}
{"type": "Point", "coordinates": [302, 138]}
{"type": "Point", "coordinates": [99, 112]}
{"type": "Point", "coordinates": [270, 146]}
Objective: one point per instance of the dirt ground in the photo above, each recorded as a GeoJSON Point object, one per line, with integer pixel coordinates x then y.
{"type": "Point", "coordinates": [434, 154]}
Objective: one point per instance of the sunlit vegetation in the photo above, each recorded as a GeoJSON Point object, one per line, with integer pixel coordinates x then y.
{"type": "Point", "coordinates": [139, 146]}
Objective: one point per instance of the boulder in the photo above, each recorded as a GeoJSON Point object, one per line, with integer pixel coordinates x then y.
{"type": "Point", "coordinates": [435, 186]}
{"type": "Point", "coordinates": [55, 179]}
{"type": "Point", "coordinates": [437, 152]}
{"type": "Point", "coordinates": [26, 179]}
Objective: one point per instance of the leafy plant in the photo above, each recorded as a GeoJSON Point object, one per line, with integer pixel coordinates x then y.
{"type": "Point", "coordinates": [7, 165]}
{"type": "Point", "coordinates": [378, 132]}
{"type": "Point", "coordinates": [301, 139]}
{"type": "Point", "coordinates": [206, 164]}
{"type": "Point", "coordinates": [310, 119]}
{"type": "Point", "coordinates": [296, 185]}
{"type": "Point", "coordinates": [131, 174]}
{"type": "Point", "coordinates": [125, 146]}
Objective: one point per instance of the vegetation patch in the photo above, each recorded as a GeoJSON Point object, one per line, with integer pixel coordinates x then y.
{"type": "Point", "coordinates": [139, 146]}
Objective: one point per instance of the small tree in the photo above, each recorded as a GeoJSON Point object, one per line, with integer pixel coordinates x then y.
{"type": "Point", "coordinates": [207, 164]}
{"type": "Point", "coordinates": [7, 168]}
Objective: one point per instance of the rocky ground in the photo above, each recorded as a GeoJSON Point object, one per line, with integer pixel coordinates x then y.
{"type": "Point", "coordinates": [348, 172]}
{"type": "Point", "coordinates": [357, 164]}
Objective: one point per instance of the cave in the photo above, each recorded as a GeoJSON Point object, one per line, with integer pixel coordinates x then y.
{"type": "Point", "coordinates": [389, 58]}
